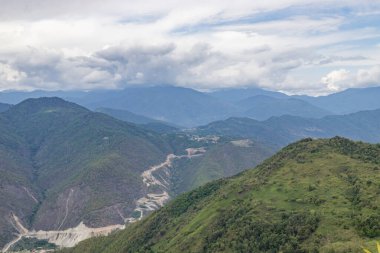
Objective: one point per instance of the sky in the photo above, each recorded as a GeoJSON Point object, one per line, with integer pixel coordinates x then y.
{"type": "Point", "coordinates": [294, 46]}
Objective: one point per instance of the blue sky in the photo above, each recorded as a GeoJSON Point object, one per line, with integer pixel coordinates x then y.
{"type": "Point", "coordinates": [299, 47]}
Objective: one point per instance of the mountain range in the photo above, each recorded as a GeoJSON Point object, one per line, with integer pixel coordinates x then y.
{"type": "Point", "coordinates": [263, 107]}
{"type": "Point", "coordinates": [280, 131]}
{"type": "Point", "coordinates": [186, 107]}
{"type": "Point", "coordinates": [69, 173]}
{"type": "Point", "coordinates": [234, 95]}
{"type": "Point", "coordinates": [348, 101]}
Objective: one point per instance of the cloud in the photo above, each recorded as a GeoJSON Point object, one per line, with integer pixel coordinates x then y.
{"type": "Point", "coordinates": [9, 75]}
{"type": "Point", "coordinates": [51, 70]}
{"type": "Point", "coordinates": [198, 44]}
{"type": "Point", "coordinates": [142, 64]}
{"type": "Point", "coordinates": [42, 9]}
{"type": "Point", "coordinates": [341, 79]}
{"type": "Point", "coordinates": [368, 77]}
{"type": "Point", "coordinates": [336, 79]}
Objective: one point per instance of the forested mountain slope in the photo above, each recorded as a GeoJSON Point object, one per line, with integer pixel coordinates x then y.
{"type": "Point", "coordinates": [62, 164]}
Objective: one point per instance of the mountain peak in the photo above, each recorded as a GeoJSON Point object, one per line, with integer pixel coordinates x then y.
{"type": "Point", "coordinates": [47, 104]}
{"type": "Point", "coordinates": [354, 149]}
{"type": "Point", "coordinates": [47, 101]}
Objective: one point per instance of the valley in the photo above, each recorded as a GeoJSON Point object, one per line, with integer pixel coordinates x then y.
{"type": "Point", "coordinates": [156, 197]}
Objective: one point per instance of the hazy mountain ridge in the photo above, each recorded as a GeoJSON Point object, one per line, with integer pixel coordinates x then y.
{"type": "Point", "coordinates": [181, 106]}
{"type": "Point", "coordinates": [348, 101]}
{"type": "Point", "coordinates": [127, 116]}
{"type": "Point", "coordinates": [235, 95]}
{"type": "Point", "coordinates": [189, 108]}
{"type": "Point", "coordinates": [263, 107]}
{"type": "Point", "coordinates": [280, 131]}
{"type": "Point", "coordinates": [148, 123]}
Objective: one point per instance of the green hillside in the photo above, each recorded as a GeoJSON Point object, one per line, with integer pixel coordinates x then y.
{"type": "Point", "coordinates": [16, 175]}
{"type": "Point", "coordinates": [226, 159]}
{"type": "Point", "coordinates": [313, 196]}
{"type": "Point", "coordinates": [98, 158]}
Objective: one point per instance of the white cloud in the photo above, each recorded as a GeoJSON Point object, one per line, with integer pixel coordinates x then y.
{"type": "Point", "coordinates": [336, 79]}
{"type": "Point", "coordinates": [8, 74]}
{"type": "Point", "coordinates": [42, 9]}
{"type": "Point", "coordinates": [368, 77]}
{"type": "Point", "coordinates": [341, 79]}
{"type": "Point", "coordinates": [200, 44]}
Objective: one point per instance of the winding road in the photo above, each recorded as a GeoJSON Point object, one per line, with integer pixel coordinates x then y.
{"type": "Point", "coordinates": [155, 198]}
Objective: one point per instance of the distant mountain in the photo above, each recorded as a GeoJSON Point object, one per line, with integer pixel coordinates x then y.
{"type": "Point", "coordinates": [127, 116]}
{"type": "Point", "coordinates": [4, 107]}
{"type": "Point", "coordinates": [62, 164]}
{"type": "Point", "coordinates": [235, 95]}
{"type": "Point", "coordinates": [280, 131]}
{"type": "Point", "coordinates": [313, 196]}
{"type": "Point", "coordinates": [348, 101]}
{"type": "Point", "coordinates": [190, 108]}
{"type": "Point", "coordinates": [15, 97]}
{"type": "Point", "coordinates": [223, 160]}
{"type": "Point", "coordinates": [160, 127]}
{"type": "Point", "coordinates": [145, 122]}
{"type": "Point", "coordinates": [263, 107]}
{"type": "Point", "coordinates": [275, 136]}
{"type": "Point", "coordinates": [181, 106]}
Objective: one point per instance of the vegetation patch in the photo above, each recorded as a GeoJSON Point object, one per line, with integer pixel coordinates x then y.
{"type": "Point", "coordinates": [33, 244]}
